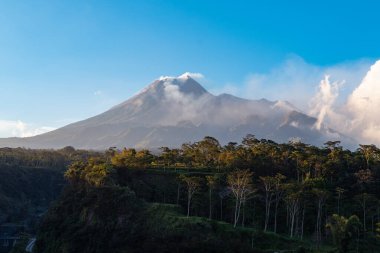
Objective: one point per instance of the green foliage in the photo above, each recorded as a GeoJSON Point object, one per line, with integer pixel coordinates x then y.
{"type": "Point", "coordinates": [29, 181]}
{"type": "Point", "coordinates": [94, 172]}
{"type": "Point", "coordinates": [25, 192]}
{"type": "Point", "coordinates": [91, 219]}
{"type": "Point", "coordinates": [343, 230]}
{"type": "Point", "coordinates": [131, 158]}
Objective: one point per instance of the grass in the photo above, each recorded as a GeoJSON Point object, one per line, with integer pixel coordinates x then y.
{"type": "Point", "coordinates": [168, 220]}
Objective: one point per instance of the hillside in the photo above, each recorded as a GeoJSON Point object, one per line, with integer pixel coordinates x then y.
{"type": "Point", "coordinates": [113, 219]}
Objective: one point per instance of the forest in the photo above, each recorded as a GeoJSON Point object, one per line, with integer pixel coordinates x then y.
{"type": "Point", "coordinates": [253, 196]}
{"type": "Point", "coordinates": [30, 180]}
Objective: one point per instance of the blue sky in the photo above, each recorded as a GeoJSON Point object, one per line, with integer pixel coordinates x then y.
{"type": "Point", "coordinates": [63, 61]}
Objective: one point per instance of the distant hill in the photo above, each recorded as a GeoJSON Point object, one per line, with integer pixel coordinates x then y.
{"type": "Point", "coordinates": [174, 110]}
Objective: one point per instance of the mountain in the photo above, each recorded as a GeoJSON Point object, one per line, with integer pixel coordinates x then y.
{"type": "Point", "coordinates": [174, 110]}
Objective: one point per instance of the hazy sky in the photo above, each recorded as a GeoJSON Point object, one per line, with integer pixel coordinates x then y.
{"type": "Point", "coordinates": [63, 61]}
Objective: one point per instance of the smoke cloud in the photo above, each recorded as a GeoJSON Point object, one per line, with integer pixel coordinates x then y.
{"type": "Point", "coordinates": [322, 103]}
{"type": "Point", "coordinates": [359, 115]}
{"type": "Point", "coordinates": [182, 107]}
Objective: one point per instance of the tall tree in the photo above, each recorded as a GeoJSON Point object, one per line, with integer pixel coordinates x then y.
{"type": "Point", "coordinates": [269, 184]}
{"type": "Point", "coordinates": [165, 156]}
{"type": "Point", "coordinates": [320, 197]}
{"type": "Point", "coordinates": [339, 192]}
{"type": "Point", "coordinates": [364, 200]}
{"type": "Point", "coordinates": [212, 181]}
{"type": "Point", "coordinates": [207, 151]}
{"type": "Point", "coordinates": [368, 152]}
{"type": "Point", "coordinates": [292, 199]}
{"type": "Point", "coordinates": [192, 184]}
{"type": "Point", "coordinates": [250, 140]}
{"type": "Point", "coordinates": [278, 195]}
{"type": "Point", "coordinates": [240, 184]}
{"type": "Point", "coordinates": [223, 193]}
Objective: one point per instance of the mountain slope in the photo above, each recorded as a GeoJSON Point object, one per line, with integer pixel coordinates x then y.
{"type": "Point", "coordinates": [172, 111]}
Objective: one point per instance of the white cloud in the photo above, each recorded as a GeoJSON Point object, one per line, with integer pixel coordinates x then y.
{"type": "Point", "coordinates": [297, 81]}
{"type": "Point", "coordinates": [9, 128]}
{"type": "Point", "coordinates": [345, 96]}
{"type": "Point", "coordinates": [363, 106]}
{"type": "Point", "coordinates": [358, 115]}
{"type": "Point", "coordinates": [196, 76]}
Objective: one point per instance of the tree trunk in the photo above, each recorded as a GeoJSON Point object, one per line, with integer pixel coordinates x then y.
{"type": "Point", "coordinates": [253, 213]}
{"type": "Point", "coordinates": [319, 221]}
{"type": "Point", "coordinates": [317, 224]}
{"type": "Point", "coordinates": [236, 216]}
{"type": "Point", "coordinates": [188, 203]}
{"type": "Point", "coordinates": [178, 194]}
{"type": "Point", "coordinates": [303, 220]}
{"type": "Point", "coordinates": [221, 209]}
{"type": "Point", "coordinates": [287, 216]}
{"type": "Point", "coordinates": [243, 218]}
{"type": "Point", "coordinates": [373, 223]}
{"type": "Point", "coordinates": [364, 215]}
{"type": "Point", "coordinates": [210, 207]}
{"type": "Point", "coordinates": [267, 211]}
{"type": "Point", "coordinates": [298, 172]}
{"type": "Point", "coordinates": [293, 209]}
{"type": "Point", "coordinates": [275, 215]}
{"type": "Point", "coordinates": [292, 224]}
{"type": "Point", "coordinates": [297, 224]}
{"type": "Point", "coordinates": [338, 204]}
{"type": "Point", "coordinates": [238, 212]}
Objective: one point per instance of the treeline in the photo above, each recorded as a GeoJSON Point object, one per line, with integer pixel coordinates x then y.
{"type": "Point", "coordinates": [325, 194]}
{"type": "Point", "coordinates": [43, 158]}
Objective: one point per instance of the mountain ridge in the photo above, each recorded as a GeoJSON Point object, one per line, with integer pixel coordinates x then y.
{"type": "Point", "coordinates": [174, 110]}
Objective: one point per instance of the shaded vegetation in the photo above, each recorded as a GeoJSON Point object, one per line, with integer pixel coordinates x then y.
{"type": "Point", "coordinates": [291, 195]}
{"type": "Point", "coordinates": [105, 218]}
{"type": "Point", "coordinates": [256, 196]}
{"type": "Point", "coordinates": [29, 181]}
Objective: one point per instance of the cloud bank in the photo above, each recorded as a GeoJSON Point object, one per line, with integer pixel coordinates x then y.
{"type": "Point", "coordinates": [297, 81]}
{"type": "Point", "coordinates": [9, 128]}
{"type": "Point", "coordinates": [360, 113]}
